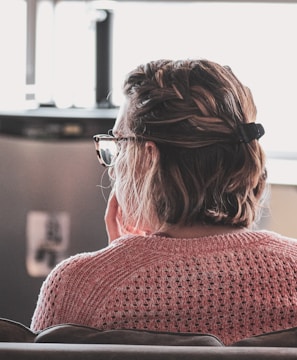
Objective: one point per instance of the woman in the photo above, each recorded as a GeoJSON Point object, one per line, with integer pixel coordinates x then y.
{"type": "Point", "coordinates": [188, 177]}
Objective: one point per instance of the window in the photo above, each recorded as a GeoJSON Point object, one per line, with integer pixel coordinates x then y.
{"type": "Point", "coordinates": [256, 39]}
{"type": "Point", "coordinates": [65, 53]}
{"type": "Point", "coordinates": [13, 53]}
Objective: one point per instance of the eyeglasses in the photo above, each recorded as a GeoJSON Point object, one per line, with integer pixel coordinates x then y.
{"type": "Point", "coordinates": [107, 148]}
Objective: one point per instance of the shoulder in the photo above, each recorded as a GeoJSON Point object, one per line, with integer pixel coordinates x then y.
{"type": "Point", "coordinates": [276, 242]}
{"type": "Point", "coordinates": [277, 237]}
{"type": "Point", "coordinates": [94, 272]}
{"type": "Point", "coordinates": [82, 264]}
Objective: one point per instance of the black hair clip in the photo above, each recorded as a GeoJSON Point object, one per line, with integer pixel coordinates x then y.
{"type": "Point", "coordinates": [250, 131]}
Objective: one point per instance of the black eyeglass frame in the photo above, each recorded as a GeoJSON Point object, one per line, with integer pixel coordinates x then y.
{"type": "Point", "coordinates": [108, 137]}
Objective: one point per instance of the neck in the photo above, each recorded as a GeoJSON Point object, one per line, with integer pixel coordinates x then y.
{"type": "Point", "coordinates": [198, 230]}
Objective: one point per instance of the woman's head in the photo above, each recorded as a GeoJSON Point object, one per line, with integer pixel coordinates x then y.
{"type": "Point", "coordinates": [188, 163]}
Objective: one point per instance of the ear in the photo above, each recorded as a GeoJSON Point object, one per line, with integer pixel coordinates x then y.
{"type": "Point", "coordinates": [152, 152]}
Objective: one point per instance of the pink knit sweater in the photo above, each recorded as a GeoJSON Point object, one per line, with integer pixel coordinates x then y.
{"type": "Point", "coordinates": [233, 286]}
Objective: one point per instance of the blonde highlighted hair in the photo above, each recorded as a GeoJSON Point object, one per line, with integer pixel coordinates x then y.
{"type": "Point", "coordinates": [192, 111]}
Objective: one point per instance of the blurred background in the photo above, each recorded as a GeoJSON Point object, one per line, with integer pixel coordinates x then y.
{"type": "Point", "coordinates": [61, 68]}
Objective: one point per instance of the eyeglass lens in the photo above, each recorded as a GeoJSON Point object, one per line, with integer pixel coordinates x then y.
{"type": "Point", "coordinates": [107, 151]}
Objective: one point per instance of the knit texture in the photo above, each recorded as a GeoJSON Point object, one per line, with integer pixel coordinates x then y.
{"type": "Point", "coordinates": [233, 286]}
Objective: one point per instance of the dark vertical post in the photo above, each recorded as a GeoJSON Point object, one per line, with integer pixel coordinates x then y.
{"type": "Point", "coordinates": [103, 59]}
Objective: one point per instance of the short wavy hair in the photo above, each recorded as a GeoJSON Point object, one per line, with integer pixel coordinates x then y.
{"type": "Point", "coordinates": [191, 110]}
